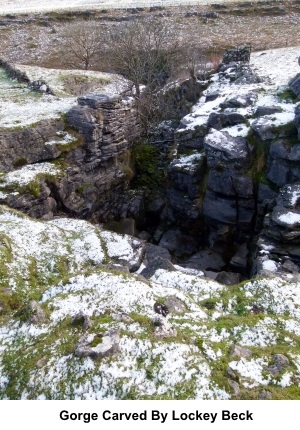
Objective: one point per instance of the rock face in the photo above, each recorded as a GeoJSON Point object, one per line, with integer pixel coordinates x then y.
{"type": "Point", "coordinates": [185, 175]}
{"type": "Point", "coordinates": [280, 238]}
{"type": "Point", "coordinates": [283, 162]}
{"type": "Point", "coordinates": [94, 159]}
{"type": "Point", "coordinates": [236, 150]}
{"type": "Point", "coordinates": [229, 199]}
{"type": "Point", "coordinates": [30, 145]}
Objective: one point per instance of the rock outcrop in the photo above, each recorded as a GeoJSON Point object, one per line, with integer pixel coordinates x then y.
{"type": "Point", "coordinates": [93, 160]}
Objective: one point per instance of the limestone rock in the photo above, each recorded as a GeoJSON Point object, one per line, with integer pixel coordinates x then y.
{"type": "Point", "coordinates": [162, 327]}
{"type": "Point", "coordinates": [283, 162]}
{"type": "Point", "coordinates": [156, 264]}
{"type": "Point", "coordinates": [220, 148]}
{"type": "Point", "coordinates": [33, 313]}
{"type": "Point", "coordinates": [228, 278]}
{"type": "Point", "coordinates": [240, 352]}
{"type": "Point", "coordinates": [205, 260]}
{"type": "Point", "coordinates": [222, 120]}
{"type": "Point", "coordinates": [108, 345]}
{"type": "Point", "coordinates": [235, 387]}
{"type": "Point", "coordinates": [175, 306]}
{"type": "Point", "coordinates": [154, 251]}
{"type": "Point", "coordinates": [267, 110]}
{"type": "Point", "coordinates": [121, 316]}
{"type": "Point", "coordinates": [265, 395]}
{"type": "Point", "coordinates": [178, 242]}
{"type": "Point", "coordinates": [281, 362]}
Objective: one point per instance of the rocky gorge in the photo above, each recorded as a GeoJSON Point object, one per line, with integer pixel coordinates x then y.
{"type": "Point", "coordinates": [187, 304]}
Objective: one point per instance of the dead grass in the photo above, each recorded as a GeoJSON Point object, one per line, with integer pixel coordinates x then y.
{"type": "Point", "coordinates": [263, 25]}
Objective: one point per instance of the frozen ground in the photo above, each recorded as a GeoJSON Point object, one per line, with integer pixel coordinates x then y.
{"type": "Point", "coordinates": [10, 6]}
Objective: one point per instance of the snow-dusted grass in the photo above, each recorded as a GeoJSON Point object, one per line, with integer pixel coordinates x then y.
{"type": "Point", "coordinates": [35, 252]}
{"type": "Point", "coordinates": [38, 361]}
{"type": "Point", "coordinates": [27, 174]}
{"type": "Point", "coordinates": [21, 106]}
{"type": "Point", "coordinates": [145, 367]}
{"type": "Point", "coordinates": [60, 81]}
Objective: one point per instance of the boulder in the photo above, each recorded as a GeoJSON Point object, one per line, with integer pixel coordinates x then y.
{"type": "Point", "coordinates": [267, 110]}
{"type": "Point", "coordinates": [241, 101]}
{"type": "Point", "coordinates": [228, 278]}
{"type": "Point", "coordinates": [280, 363]}
{"type": "Point", "coordinates": [121, 316]}
{"type": "Point", "coordinates": [156, 264]}
{"type": "Point", "coordinates": [179, 243]}
{"type": "Point", "coordinates": [265, 395]}
{"type": "Point", "coordinates": [240, 352]}
{"type": "Point", "coordinates": [154, 251]}
{"type": "Point", "coordinates": [33, 313]}
{"type": "Point", "coordinates": [162, 327]}
{"type": "Point", "coordinates": [221, 120]}
{"type": "Point", "coordinates": [290, 267]}
{"type": "Point", "coordinates": [235, 387]}
{"type": "Point", "coordinates": [221, 149]}
{"type": "Point", "coordinates": [266, 129]}
{"type": "Point", "coordinates": [211, 96]}
{"type": "Point", "coordinates": [105, 344]}
{"type": "Point", "coordinates": [239, 261]}
{"type": "Point", "coordinates": [175, 306]}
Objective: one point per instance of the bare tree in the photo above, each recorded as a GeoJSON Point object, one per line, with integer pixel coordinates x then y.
{"type": "Point", "coordinates": [143, 52]}
{"type": "Point", "coordinates": [83, 44]}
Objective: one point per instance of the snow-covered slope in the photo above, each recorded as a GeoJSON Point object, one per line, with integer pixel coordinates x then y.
{"type": "Point", "coordinates": [97, 334]}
